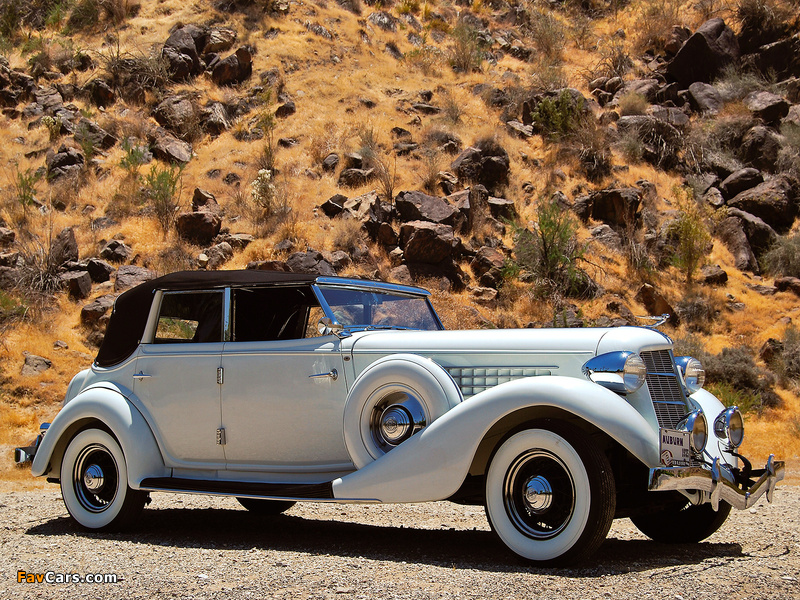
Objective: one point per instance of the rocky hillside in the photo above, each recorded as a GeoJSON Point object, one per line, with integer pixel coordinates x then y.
{"type": "Point", "coordinates": [534, 163]}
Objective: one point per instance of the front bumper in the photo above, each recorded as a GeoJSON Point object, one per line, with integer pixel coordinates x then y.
{"type": "Point", "coordinates": [719, 483]}
{"type": "Point", "coordinates": [25, 454]}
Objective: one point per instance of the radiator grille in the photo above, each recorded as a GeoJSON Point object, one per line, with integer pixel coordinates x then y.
{"type": "Point", "coordinates": [665, 389]}
{"type": "Point", "coordinates": [474, 380]}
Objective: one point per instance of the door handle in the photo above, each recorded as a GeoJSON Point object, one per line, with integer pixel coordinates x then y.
{"type": "Point", "coordinates": [141, 376]}
{"type": "Point", "coordinates": [333, 374]}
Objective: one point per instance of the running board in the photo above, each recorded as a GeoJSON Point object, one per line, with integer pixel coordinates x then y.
{"type": "Point", "coordinates": [251, 489]}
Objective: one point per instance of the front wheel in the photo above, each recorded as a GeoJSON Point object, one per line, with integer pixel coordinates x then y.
{"type": "Point", "coordinates": [94, 483]}
{"type": "Point", "coordinates": [550, 494]}
{"type": "Point", "coordinates": [683, 523]}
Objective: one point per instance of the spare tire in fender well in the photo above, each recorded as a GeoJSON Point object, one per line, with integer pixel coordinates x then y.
{"type": "Point", "coordinates": [407, 392]}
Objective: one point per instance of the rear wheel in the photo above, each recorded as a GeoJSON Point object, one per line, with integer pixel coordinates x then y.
{"type": "Point", "coordinates": [261, 506]}
{"type": "Point", "coordinates": [94, 483]}
{"type": "Point", "coordinates": [550, 494]}
{"type": "Point", "coordinates": [683, 523]}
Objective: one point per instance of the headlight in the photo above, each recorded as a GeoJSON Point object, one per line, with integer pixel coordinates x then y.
{"type": "Point", "coordinates": [695, 423]}
{"type": "Point", "coordinates": [621, 372]}
{"type": "Point", "coordinates": [729, 425]}
{"type": "Point", "coordinates": [692, 371]}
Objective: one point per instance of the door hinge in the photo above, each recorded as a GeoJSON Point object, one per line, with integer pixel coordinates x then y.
{"type": "Point", "coordinates": [221, 436]}
{"type": "Point", "coordinates": [220, 375]}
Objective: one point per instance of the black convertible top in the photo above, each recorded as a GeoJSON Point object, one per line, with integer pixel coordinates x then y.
{"type": "Point", "coordinates": [129, 317]}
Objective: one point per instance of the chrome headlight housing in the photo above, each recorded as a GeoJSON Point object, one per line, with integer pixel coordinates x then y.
{"type": "Point", "coordinates": [729, 426]}
{"type": "Point", "coordinates": [692, 371]}
{"type": "Point", "coordinates": [697, 426]}
{"type": "Point", "coordinates": [620, 372]}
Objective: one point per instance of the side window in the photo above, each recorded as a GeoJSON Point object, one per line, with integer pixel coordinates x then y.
{"type": "Point", "coordinates": [189, 317]}
{"type": "Point", "coordinates": [271, 313]}
{"type": "Point", "coordinates": [315, 314]}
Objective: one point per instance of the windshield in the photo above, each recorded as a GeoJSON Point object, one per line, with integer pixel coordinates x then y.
{"type": "Point", "coordinates": [378, 309]}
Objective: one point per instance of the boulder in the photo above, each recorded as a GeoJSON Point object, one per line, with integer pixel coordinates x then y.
{"type": "Point", "coordinates": [77, 283]}
{"type": "Point", "coordinates": [233, 69]}
{"type": "Point", "coordinates": [129, 276]}
{"type": "Point", "coordinates": [330, 162]}
{"type": "Point", "coordinates": [655, 304]}
{"type": "Point", "coordinates": [64, 248]}
{"type": "Point", "coordinates": [7, 237]}
{"type": "Point", "coordinates": [205, 201]}
{"type": "Point", "coordinates": [96, 309]}
{"type": "Point", "coordinates": [767, 106]}
{"type": "Point", "coordinates": [215, 118]}
{"type": "Point", "coordinates": [731, 232]}
{"type": "Point", "coordinates": [169, 148]}
{"type": "Point", "coordinates": [501, 208]}
{"type": "Point", "coordinates": [703, 56]}
{"type": "Point", "coordinates": [383, 20]}
{"type": "Point", "coordinates": [286, 109]}
{"type": "Point", "coordinates": [220, 39]}
{"type": "Point", "coordinates": [788, 284]}
{"type": "Point", "coordinates": [198, 227]}
{"type": "Point", "coordinates": [101, 93]}
{"type": "Point", "coordinates": [182, 53]}
{"type": "Point", "coordinates": [739, 181]}
{"type": "Point", "coordinates": [333, 206]}
{"type": "Point", "coordinates": [310, 262]}
{"type": "Point", "coordinates": [89, 132]}
{"type": "Point", "coordinates": [487, 165]}
{"type": "Point", "coordinates": [67, 161]}
{"type": "Point", "coordinates": [774, 201]}
{"type": "Point", "coordinates": [607, 236]}
{"type": "Point", "coordinates": [760, 236]}
{"type": "Point", "coordinates": [417, 206]}
{"type": "Point", "coordinates": [34, 365]}
{"type": "Point", "coordinates": [426, 242]}
{"type": "Point", "coordinates": [616, 206]}
{"type": "Point", "coordinates": [178, 115]}
{"type": "Point", "coordinates": [712, 275]}
{"type": "Point", "coordinates": [268, 265]}
{"type": "Point", "coordinates": [761, 146]}
{"type": "Point", "coordinates": [99, 270]}
{"type": "Point", "coordinates": [218, 255]}
{"type": "Point", "coordinates": [351, 178]}
{"type": "Point", "coordinates": [116, 251]}
{"type": "Point", "coordinates": [705, 98]}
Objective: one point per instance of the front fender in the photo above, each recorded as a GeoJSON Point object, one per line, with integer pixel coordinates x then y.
{"type": "Point", "coordinates": [433, 464]}
{"type": "Point", "coordinates": [107, 405]}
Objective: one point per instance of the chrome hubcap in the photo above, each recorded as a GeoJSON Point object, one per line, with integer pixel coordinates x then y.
{"type": "Point", "coordinates": [93, 478]}
{"type": "Point", "coordinates": [538, 494]}
{"type": "Point", "coordinates": [395, 418]}
{"type": "Point", "coordinates": [395, 424]}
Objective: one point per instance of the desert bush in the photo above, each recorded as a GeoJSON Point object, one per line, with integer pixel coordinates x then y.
{"type": "Point", "coordinates": [25, 187]}
{"type": "Point", "coordinates": [557, 116]}
{"type": "Point", "coordinates": [162, 189]}
{"type": "Point", "coordinates": [346, 234]}
{"type": "Point", "coordinates": [452, 109]}
{"type": "Point", "coordinates": [427, 58]}
{"type": "Point", "coordinates": [87, 13]}
{"type": "Point", "coordinates": [466, 49]}
{"type": "Point", "coordinates": [547, 33]}
{"type": "Point", "coordinates": [789, 154]}
{"type": "Point", "coordinates": [582, 31]}
{"type": "Point", "coordinates": [408, 7]}
{"type": "Point", "coordinates": [267, 123]}
{"type": "Point", "coordinates": [698, 311]}
{"type": "Point", "coordinates": [132, 158]}
{"type": "Point", "coordinates": [690, 232]}
{"type": "Point", "coordinates": [263, 193]}
{"type": "Point", "coordinates": [783, 257]}
{"type": "Point", "coordinates": [734, 373]}
{"type": "Point", "coordinates": [547, 75]}
{"type": "Point", "coordinates": [11, 308]}
{"type": "Point", "coordinates": [716, 141]}
{"type": "Point", "coordinates": [614, 61]}
{"type": "Point", "coordinates": [654, 24]}
{"type": "Point", "coordinates": [735, 82]}
{"type": "Point", "coordinates": [430, 166]}
{"type": "Point", "coordinates": [632, 103]}
{"type": "Point", "coordinates": [135, 73]}
{"type": "Point", "coordinates": [594, 151]}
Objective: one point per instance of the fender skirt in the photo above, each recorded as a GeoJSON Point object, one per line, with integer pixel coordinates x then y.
{"type": "Point", "coordinates": [433, 464]}
{"type": "Point", "coordinates": [105, 403]}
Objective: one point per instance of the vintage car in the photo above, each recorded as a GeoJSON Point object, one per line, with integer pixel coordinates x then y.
{"type": "Point", "coordinates": [277, 388]}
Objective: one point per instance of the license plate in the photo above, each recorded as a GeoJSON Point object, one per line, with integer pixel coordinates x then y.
{"type": "Point", "coordinates": [674, 448]}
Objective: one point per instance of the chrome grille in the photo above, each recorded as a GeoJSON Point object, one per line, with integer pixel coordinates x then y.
{"type": "Point", "coordinates": [474, 380]}
{"type": "Point", "coordinates": [665, 389]}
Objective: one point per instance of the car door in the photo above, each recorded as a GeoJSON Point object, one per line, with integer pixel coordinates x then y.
{"type": "Point", "coordinates": [283, 393]}
{"type": "Point", "coordinates": [176, 378]}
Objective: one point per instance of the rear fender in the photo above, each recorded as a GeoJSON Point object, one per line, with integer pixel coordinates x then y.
{"type": "Point", "coordinates": [107, 407]}
{"type": "Point", "coordinates": [433, 464]}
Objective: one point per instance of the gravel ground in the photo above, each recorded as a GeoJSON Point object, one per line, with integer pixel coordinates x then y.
{"type": "Point", "coordinates": [204, 547]}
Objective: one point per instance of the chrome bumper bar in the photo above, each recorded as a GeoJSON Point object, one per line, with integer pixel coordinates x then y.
{"type": "Point", "coordinates": [25, 454]}
{"type": "Point", "coordinates": [718, 482]}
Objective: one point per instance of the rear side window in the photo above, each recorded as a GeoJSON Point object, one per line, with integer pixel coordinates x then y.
{"type": "Point", "coordinates": [271, 313]}
{"type": "Point", "coordinates": [190, 317]}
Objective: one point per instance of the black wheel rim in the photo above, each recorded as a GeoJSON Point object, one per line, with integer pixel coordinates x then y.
{"type": "Point", "coordinates": [95, 478]}
{"type": "Point", "coordinates": [539, 494]}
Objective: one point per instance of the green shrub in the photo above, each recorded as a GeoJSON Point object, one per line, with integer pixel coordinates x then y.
{"type": "Point", "coordinates": [161, 187]}
{"type": "Point", "coordinates": [734, 374]}
{"type": "Point", "coordinates": [11, 308]}
{"type": "Point", "coordinates": [558, 116]}
{"type": "Point", "coordinates": [690, 231]}
{"type": "Point", "coordinates": [547, 33]}
{"type": "Point", "coordinates": [466, 50]}
{"type": "Point", "coordinates": [783, 257]}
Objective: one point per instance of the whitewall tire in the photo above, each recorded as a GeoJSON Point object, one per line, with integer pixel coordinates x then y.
{"type": "Point", "coordinates": [550, 494]}
{"type": "Point", "coordinates": [94, 482]}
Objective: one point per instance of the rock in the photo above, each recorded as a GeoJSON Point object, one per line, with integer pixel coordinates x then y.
{"type": "Point", "coordinates": [89, 132]}
{"type": "Point", "coordinates": [788, 284]}
{"type": "Point", "coordinates": [487, 164]}
{"type": "Point", "coordinates": [268, 265]}
{"type": "Point", "coordinates": [101, 93]}
{"type": "Point", "coordinates": [417, 206]}
{"type": "Point", "coordinates": [774, 201]}
{"type": "Point", "coordinates": [116, 251]}
{"type": "Point", "coordinates": [384, 20]}
{"type": "Point", "coordinates": [34, 365]}
{"type": "Point", "coordinates": [731, 232]}
{"type": "Point", "coordinates": [169, 148]}
{"type": "Point", "coordinates": [218, 255]}
{"type": "Point", "coordinates": [9, 259]}
{"type": "Point", "coordinates": [205, 201]}
{"type": "Point", "coordinates": [655, 304]}
{"type": "Point", "coordinates": [485, 296]}
{"type": "Point", "coordinates": [712, 47]}
{"type": "Point", "coordinates": [677, 37]}
{"type": "Point", "coordinates": [607, 236]}
{"type": "Point", "coordinates": [401, 274]}
{"type": "Point", "coordinates": [330, 162]}
{"type": "Point", "coordinates": [182, 53]}
{"type": "Point", "coordinates": [780, 59]}
{"type": "Point", "coordinates": [67, 161]}
{"type": "Point", "coordinates": [761, 146]}
{"type": "Point", "coordinates": [519, 129]}
{"type": "Point", "coordinates": [387, 236]}
{"type": "Point", "coordinates": [338, 259]}
{"type": "Point", "coordinates": [674, 116]}
{"type": "Point", "coordinates": [617, 206]}
{"type": "Point", "coordinates": [739, 181]}
{"type": "Point", "coordinates": [238, 241]}
{"type": "Point", "coordinates": [705, 98]}
{"type": "Point", "coordinates": [501, 208]}
{"type": "Point", "coordinates": [220, 39]}
{"type": "Point", "coordinates": [198, 227]}
{"type": "Point", "coordinates": [310, 262]}
{"type": "Point", "coordinates": [643, 87]}
{"type": "Point", "coordinates": [425, 108]}
{"type": "Point", "coordinates": [712, 275]}
{"type": "Point", "coordinates": [767, 106]}
{"type": "Point", "coordinates": [661, 141]}
{"type": "Point", "coordinates": [334, 205]}
{"type": "Point", "coordinates": [99, 270]}
{"type": "Point", "coordinates": [177, 114]}
{"type": "Point", "coordinates": [77, 283]}
{"type": "Point", "coordinates": [7, 237]}
{"type": "Point", "coordinates": [764, 290]}
{"type": "Point", "coordinates": [770, 350]}
{"type": "Point", "coordinates": [760, 236]}
{"type": "Point", "coordinates": [286, 109]}
{"type": "Point", "coordinates": [425, 242]}
{"type": "Point", "coordinates": [214, 118]}
{"type": "Point", "coordinates": [129, 276]}
{"type": "Point", "coordinates": [234, 69]}
{"type": "Point", "coordinates": [351, 178]}
{"type": "Point", "coordinates": [445, 276]}
{"type": "Point", "coordinates": [487, 259]}
{"type": "Point", "coordinates": [64, 248]}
